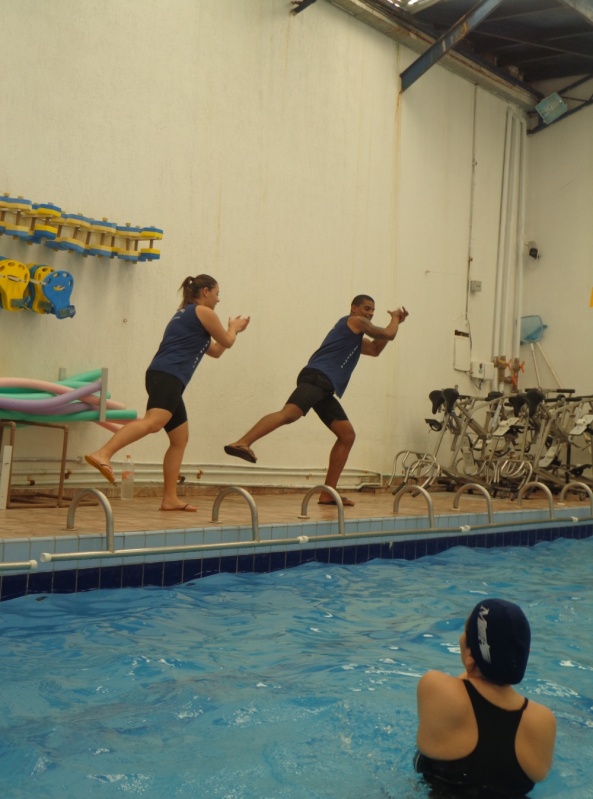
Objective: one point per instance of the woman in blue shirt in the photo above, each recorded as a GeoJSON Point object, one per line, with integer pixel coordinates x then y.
{"type": "Point", "coordinates": [193, 332]}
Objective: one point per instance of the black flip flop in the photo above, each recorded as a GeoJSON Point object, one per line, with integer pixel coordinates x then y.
{"type": "Point", "coordinates": [239, 451]}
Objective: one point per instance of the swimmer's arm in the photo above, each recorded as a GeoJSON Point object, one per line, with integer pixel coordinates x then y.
{"type": "Point", "coordinates": [223, 339]}
{"type": "Point", "coordinates": [440, 714]}
{"type": "Point", "coordinates": [378, 337]}
{"type": "Point", "coordinates": [540, 731]}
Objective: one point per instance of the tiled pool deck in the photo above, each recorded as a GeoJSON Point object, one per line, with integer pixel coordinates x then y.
{"type": "Point", "coordinates": [371, 530]}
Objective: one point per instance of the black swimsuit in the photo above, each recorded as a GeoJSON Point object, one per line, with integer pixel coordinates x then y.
{"type": "Point", "coordinates": [493, 763]}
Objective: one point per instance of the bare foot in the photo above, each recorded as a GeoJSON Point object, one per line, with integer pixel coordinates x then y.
{"type": "Point", "coordinates": [345, 501]}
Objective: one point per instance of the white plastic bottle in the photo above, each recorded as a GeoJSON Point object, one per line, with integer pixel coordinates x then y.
{"type": "Point", "coordinates": [127, 479]}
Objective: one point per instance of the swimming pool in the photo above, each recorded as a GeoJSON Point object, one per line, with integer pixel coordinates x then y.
{"type": "Point", "coordinates": [293, 684]}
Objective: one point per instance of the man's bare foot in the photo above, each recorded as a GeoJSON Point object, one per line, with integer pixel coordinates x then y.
{"type": "Point", "coordinates": [331, 501]}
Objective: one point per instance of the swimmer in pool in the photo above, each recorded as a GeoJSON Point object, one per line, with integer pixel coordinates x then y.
{"type": "Point", "coordinates": [476, 730]}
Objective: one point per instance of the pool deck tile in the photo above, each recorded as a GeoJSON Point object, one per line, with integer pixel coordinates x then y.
{"type": "Point", "coordinates": [27, 532]}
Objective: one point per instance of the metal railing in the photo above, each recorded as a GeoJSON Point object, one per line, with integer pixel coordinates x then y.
{"type": "Point", "coordinates": [256, 542]}
{"type": "Point", "coordinates": [542, 487]}
{"type": "Point", "coordinates": [237, 490]}
{"type": "Point", "coordinates": [337, 500]}
{"type": "Point", "coordinates": [412, 489]}
{"type": "Point", "coordinates": [475, 487]}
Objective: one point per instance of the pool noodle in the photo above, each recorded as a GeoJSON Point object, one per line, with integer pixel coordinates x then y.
{"type": "Point", "coordinates": [74, 381]}
{"type": "Point", "coordinates": [34, 406]}
{"type": "Point", "coordinates": [36, 396]}
{"type": "Point", "coordinates": [13, 385]}
{"type": "Point", "coordinates": [83, 416]}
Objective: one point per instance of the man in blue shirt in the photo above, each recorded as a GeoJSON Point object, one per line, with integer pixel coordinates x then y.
{"type": "Point", "coordinates": [327, 374]}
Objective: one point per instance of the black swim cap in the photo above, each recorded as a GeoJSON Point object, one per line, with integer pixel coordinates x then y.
{"type": "Point", "coordinates": [498, 636]}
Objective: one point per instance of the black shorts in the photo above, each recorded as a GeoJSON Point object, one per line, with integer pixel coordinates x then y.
{"type": "Point", "coordinates": [164, 392]}
{"type": "Point", "coordinates": [314, 390]}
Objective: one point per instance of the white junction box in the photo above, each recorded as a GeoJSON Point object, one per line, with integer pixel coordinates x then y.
{"type": "Point", "coordinates": [476, 369]}
{"type": "Point", "coordinates": [481, 370]}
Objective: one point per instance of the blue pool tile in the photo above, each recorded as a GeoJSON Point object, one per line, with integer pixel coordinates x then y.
{"type": "Point", "coordinates": [173, 572]}
{"type": "Point", "coordinates": [261, 562]}
{"type": "Point", "coordinates": [293, 558]}
{"type": "Point", "coordinates": [388, 548]}
{"type": "Point", "coordinates": [308, 556]}
{"type": "Point", "coordinates": [432, 546]}
{"type": "Point", "coordinates": [374, 551]}
{"type": "Point", "coordinates": [192, 569]}
{"type": "Point", "coordinates": [87, 579]}
{"type": "Point", "coordinates": [396, 551]}
{"type": "Point", "coordinates": [585, 531]}
{"type": "Point", "coordinates": [110, 576]}
{"type": "Point", "coordinates": [229, 535]}
{"type": "Point", "coordinates": [153, 574]}
{"type": "Point", "coordinates": [40, 582]}
{"type": "Point", "coordinates": [420, 548]}
{"type": "Point", "coordinates": [228, 563]}
{"type": "Point", "coordinates": [13, 586]}
{"type": "Point", "coordinates": [245, 564]}
{"type": "Point", "coordinates": [17, 550]}
{"type": "Point", "coordinates": [362, 553]}
{"type": "Point", "coordinates": [132, 574]}
{"type": "Point", "coordinates": [278, 531]}
{"type": "Point", "coordinates": [210, 566]}
{"type": "Point", "coordinates": [175, 539]}
{"type": "Point", "coordinates": [336, 555]}
{"type": "Point", "coordinates": [415, 549]}
{"type": "Point", "coordinates": [349, 556]}
{"type": "Point", "coordinates": [64, 582]}
{"type": "Point", "coordinates": [277, 560]}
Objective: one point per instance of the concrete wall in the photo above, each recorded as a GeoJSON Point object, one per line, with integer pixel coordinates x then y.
{"type": "Point", "coordinates": [277, 155]}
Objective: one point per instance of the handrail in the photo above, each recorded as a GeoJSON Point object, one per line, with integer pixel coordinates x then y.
{"type": "Point", "coordinates": [536, 484]}
{"type": "Point", "coordinates": [20, 566]}
{"type": "Point", "coordinates": [250, 501]}
{"type": "Point", "coordinates": [110, 538]}
{"type": "Point", "coordinates": [410, 489]}
{"type": "Point", "coordinates": [47, 557]}
{"type": "Point", "coordinates": [334, 494]}
{"type": "Point", "coordinates": [575, 485]}
{"type": "Point", "coordinates": [470, 486]}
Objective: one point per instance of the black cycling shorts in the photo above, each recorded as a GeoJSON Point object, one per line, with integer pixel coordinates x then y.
{"type": "Point", "coordinates": [164, 392]}
{"type": "Point", "coordinates": [314, 390]}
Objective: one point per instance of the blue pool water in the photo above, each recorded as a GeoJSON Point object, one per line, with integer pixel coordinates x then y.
{"type": "Point", "coordinates": [297, 684]}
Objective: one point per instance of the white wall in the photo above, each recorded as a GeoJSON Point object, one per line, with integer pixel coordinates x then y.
{"type": "Point", "coordinates": [559, 286]}
{"type": "Point", "coordinates": [277, 155]}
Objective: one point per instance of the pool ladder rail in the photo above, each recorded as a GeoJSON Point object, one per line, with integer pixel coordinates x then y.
{"type": "Point", "coordinates": [257, 541]}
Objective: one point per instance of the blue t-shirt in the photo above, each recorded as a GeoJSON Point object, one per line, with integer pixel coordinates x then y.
{"type": "Point", "coordinates": [338, 355]}
{"type": "Point", "coordinates": [184, 343]}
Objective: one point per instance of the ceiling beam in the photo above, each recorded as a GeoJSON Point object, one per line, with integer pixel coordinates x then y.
{"type": "Point", "coordinates": [382, 17]}
{"type": "Point", "coordinates": [447, 42]}
{"type": "Point", "coordinates": [516, 35]}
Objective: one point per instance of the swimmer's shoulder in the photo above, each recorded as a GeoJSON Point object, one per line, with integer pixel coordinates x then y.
{"type": "Point", "coordinates": [442, 691]}
{"type": "Point", "coordinates": [535, 740]}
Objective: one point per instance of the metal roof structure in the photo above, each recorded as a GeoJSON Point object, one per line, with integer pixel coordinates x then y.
{"type": "Point", "coordinates": [511, 46]}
